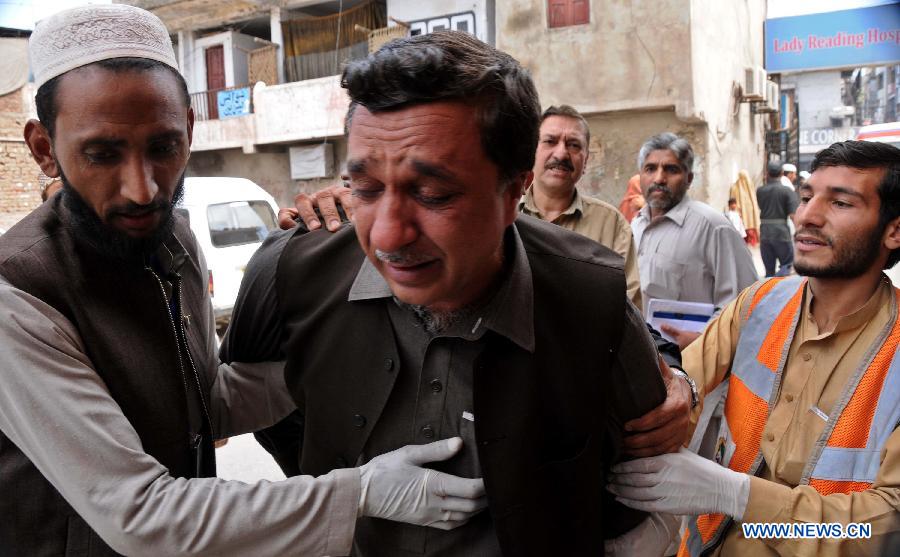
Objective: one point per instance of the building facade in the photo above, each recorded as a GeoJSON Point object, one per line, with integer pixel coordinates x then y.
{"type": "Point", "coordinates": [20, 183]}
{"type": "Point", "coordinates": [630, 79]}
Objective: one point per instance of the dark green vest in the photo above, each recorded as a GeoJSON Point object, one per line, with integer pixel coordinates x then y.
{"type": "Point", "coordinates": [121, 314]}
{"type": "Point", "coordinates": [541, 419]}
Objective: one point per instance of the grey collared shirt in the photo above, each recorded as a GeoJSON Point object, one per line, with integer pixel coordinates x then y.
{"type": "Point", "coordinates": [691, 254]}
{"type": "Point", "coordinates": [433, 399]}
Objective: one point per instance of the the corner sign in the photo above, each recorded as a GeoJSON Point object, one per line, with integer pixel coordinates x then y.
{"type": "Point", "coordinates": [834, 39]}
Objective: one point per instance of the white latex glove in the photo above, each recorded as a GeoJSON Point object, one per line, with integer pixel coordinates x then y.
{"type": "Point", "coordinates": [650, 538]}
{"type": "Point", "coordinates": [396, 487]}
{"type": "Point", "coordinates": [680, 483]}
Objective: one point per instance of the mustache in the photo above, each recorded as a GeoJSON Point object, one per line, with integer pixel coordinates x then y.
{"type": "Point", "coordinates": [815, 234]}
{"type": "Point", "coordinates": [403, 256]}
{"type": "Point", "coordinates": [555, 163]}
{"type": "Point", "coordinates": [132, 209]}
{"type": "Point", "coordinates": [659, 188]}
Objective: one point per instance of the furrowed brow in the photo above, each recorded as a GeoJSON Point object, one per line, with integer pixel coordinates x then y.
{"type": "Point", "coordinates": [433, 171]}
{"type": "Point", "coordinates": [356, 166]}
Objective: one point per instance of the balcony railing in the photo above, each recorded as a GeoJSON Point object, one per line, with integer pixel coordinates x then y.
{"type": "Point", "coordinates": [222, 103]}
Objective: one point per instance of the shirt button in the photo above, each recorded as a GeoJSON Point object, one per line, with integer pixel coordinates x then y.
{"type": "Point", "coordinates": [770, 437]}
{"type": "Point", "coordinates": [428, 432]}
{"type": "Point", "coordinates": [359, 421]}
{"type": "Point", "coordinates": [436, 386]}
{"type": "Point", "coordinates": [388, 364]}
{"type": "Point", "coordinates": [807, 356]}
{"type": "Point", "coordinates": [789, 398]}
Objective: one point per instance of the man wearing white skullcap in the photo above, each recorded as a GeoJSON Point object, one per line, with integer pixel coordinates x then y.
{"type": "Point", "coordinates": [789, 176]}
{"type": "Point", "coordinates": [112, 391]}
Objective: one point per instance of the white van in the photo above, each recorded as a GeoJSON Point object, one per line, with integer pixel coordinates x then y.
{"type": "Point", "coordinates": [230, 218]}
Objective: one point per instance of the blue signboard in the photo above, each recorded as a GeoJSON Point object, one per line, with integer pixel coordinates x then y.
{"type": "Point", "coordinates": [847, 38]}
{"type": "Point", "coordinates": [233, 103]}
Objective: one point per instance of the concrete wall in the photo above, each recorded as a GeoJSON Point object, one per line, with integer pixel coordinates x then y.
{"type": "Point", "coordinates": [617, 137]}
{"type": "Point", "coordinates": [642, 67]}
{"type": "Point", "coordinates": [726, 37]}
{"type": "Point", "coordinates": [619, 61]}
{"type": "Point", "coordinates": [225, 133]}
{"type": "Point", "coordinates": [817, 93]}
{"type": "Point", "coordinates": [300, 111]}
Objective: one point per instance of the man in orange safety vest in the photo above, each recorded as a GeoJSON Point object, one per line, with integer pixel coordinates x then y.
{"type": "Point", "coordinates": [810, 369]}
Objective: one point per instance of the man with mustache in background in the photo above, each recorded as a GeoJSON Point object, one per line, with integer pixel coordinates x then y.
{"type": "Point", "coordinates": [687, 251]}
{"type": "Point", "coordinates": [561, 157]}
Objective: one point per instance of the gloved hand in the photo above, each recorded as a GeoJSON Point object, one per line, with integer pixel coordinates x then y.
{"type": "Point", "coordinates": [650, 538]}
{"type": "Point", "coordinates": [396, 487]}
{"type": "Point", "coordinates": [680, 483]}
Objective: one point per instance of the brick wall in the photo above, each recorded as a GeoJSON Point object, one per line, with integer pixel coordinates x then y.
{"type": "Point", "coordinates": [20, 188]}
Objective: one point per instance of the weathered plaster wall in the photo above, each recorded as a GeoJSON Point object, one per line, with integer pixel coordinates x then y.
{"type": "Point", "coordinates": [616, 139]}
{"type": "Point", "coordinates": [300, 111]}
{"type": "Point", "coordinates": [726, 37]}
{"type": "Point", "coordinates": [632, 55]}
{"type": "Point", "coordinates": [225, 133]}
{"type": "Point", "coordinates": [641, 67]}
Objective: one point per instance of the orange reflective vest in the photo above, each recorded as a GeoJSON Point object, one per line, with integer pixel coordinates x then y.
{"type": "Point", "coordinates": [846, 456]}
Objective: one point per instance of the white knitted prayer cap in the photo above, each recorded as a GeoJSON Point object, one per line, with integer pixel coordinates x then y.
{"type": "Point", "coordinates": [87, 34]}
{"type": "Point", "coordinates": [788, 167]}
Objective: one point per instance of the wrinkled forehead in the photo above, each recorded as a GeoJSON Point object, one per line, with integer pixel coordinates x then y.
{"type": "Point", "coordinates": [557, 125]}
{"type": "Point", "coordinates": [663, 157]}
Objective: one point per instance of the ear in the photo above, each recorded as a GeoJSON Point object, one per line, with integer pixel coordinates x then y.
{"type": "Point", "coordinates": [690, 178]}
{"type": "Point", "coordinates": [190, 126]}
{"type": "Point", "coordinates": [513, 193]}
{"type": "Point", "coordinates": [41, 146]}
{"type": "Point", "coordinates": [891, 239]}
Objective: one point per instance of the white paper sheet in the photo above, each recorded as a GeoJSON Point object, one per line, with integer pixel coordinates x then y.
{"type": "Point", "coordinates": [687, 316]}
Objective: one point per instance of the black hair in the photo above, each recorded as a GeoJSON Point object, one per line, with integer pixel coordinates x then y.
{"type": "Point", "coordinates": [866, 155]}
{"type": "Point", "coordinates": [452, 65]}
{"type": "Point", "coordinates": [45, 99]}
{"type": "Point", "coordinates": [774, 169]}
{"type": "Point", "coordinates": [568, 112]}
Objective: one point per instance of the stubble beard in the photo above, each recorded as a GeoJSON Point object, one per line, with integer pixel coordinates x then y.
{"type": "Point", "coordinates": [852, 258]}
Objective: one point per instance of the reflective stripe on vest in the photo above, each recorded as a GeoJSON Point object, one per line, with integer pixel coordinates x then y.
{"type": "Point", "coordinates": [864, 417]}
{"type": "Point", "coordinates": [849, 461]}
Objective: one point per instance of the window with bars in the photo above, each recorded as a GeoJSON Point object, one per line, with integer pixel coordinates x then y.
{"type": "Point", "coordinates": [563, 13]}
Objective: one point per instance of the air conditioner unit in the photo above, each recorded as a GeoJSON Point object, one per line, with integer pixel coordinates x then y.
{"type": "Point", "coordinates": [754, 84]}
{"type": "Point", "coordinates": [840, 112]}
{"type": "Point", "coordinates": [773, 96]}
